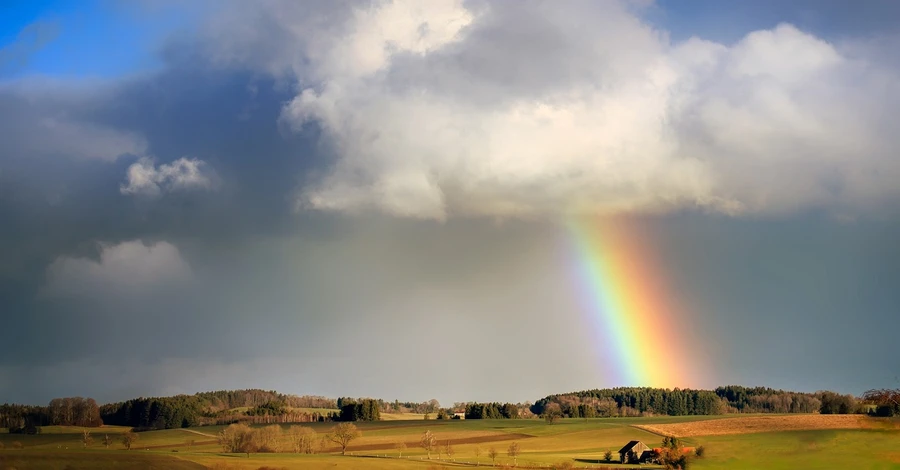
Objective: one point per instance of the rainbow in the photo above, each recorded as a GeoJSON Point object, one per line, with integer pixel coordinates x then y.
{"type": "Point", "coordinates": [621, 292]}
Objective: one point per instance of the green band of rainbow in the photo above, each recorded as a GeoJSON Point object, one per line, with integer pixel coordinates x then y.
{"type": "Point", "coordinates": [623, 298]}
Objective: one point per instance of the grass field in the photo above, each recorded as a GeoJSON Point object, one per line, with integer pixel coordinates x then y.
{"type": "Point", "coordinates": [747, 444]}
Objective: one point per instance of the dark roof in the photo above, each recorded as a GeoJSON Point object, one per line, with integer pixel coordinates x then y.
{"type": "Point", "coordinates": [631, 444]}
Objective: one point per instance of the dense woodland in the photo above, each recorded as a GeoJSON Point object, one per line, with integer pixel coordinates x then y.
{"type": "Point", "coordinates": [260, 406]}
{"type": "Point", "coordinates": [72, 411]}
{"type": "Point", "coordinates": [492, 411]}
{"type": "Point", "coordinates": [644, 401]}
{"type": "Point", "coordinates": [362, 410]}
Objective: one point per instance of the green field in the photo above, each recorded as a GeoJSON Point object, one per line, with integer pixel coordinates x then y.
{"type": "Point", "coordinates": [578, 441]}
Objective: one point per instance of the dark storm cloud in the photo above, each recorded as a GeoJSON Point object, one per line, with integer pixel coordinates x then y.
{"type": "Point", "coordinates": [57, 199]}
{"type": "Point", "coordinates": [100, 284]}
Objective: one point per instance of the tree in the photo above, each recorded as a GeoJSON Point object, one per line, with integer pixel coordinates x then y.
{"type": "Point", "coordinates": [674, 459]}
{"type": "Point", "coordinates": [342, 434]}
{"type": "Point", "coordinates": [477, 451]}
{"type": "Point", "coordinates": [238, 438]}
{"type": "Point", "coordinates": [449, 450]}
{"type": "Point", "coordinates": [552, 413]}
{"type": "Point", "coordinates": [269, 437]}
{"type": "Point", "coordinates": [700, 452]}
{"type": "Point", "coordinates": [513, 452]}
{"type": "Point", "coordinates": [400, 448]}
{"type": "Point", "coordinates": [365, 410]}
{"type": "Point", "coordinates": [671, 442]}
{"type": "Point", "coordinates": [608, 456]}
{"type": "Point", "coordinates": [442, 414]}
{"type": "Point", "coordinates": [303, 439]}
{"type": "Point", "coordinates": [492, 453]}
{"type": "Point", "coordinates": [886, 401]}
{"type": "Point", "coordinates": [128, 439]}
{"type": "Point", "coordinates": [428, 442]}
{"type": "Point", "coordinates": [86, 438]}
{"type": "Point", "coordinates": [673, 455]}
{"type": "Point", "coordinates": [106, 441]}
{"type": "Point", "coordinates": [833, 403]}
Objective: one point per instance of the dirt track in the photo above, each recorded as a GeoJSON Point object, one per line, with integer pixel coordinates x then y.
{"type": "Point", "coordinates": [753, 424]}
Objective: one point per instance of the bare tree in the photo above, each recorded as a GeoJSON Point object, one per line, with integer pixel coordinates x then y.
{"type": "Point", "coordinates": [449, 450]}
{"type": "Point", "coordinates": [477, 451]}
{"type": "Point", "coordinates": [433, 405]}
{"type": "Point", "coordinates": [128, 439]}
{"type": "Point", "coordinates": [492, 453]}
{"type": "Point", "coordinates": [400, 448]}
{"type": "Point", "coordinates": [513, 452]}
{"type": "Point", "coordinates": [428, 442]}
{"type": "Point", "coordinates": [238, 438]}
{"type": "Point", "coordinates": [106, 441]}
{"type": "Point", "coordinates": [304, 439]}
{"type": "Point", "coordinates": [342, 434]}
{"type": "Point", "coordinates": [269, 438]}
{"type": "Point", "coordinates": [86, 438]}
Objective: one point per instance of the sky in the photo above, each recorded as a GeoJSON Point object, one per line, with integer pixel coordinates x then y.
{"type": "Point", "coordinates": [461, 200]}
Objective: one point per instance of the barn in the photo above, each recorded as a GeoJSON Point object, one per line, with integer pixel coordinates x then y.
{"type": "Point", "coordinates": [634, 452]}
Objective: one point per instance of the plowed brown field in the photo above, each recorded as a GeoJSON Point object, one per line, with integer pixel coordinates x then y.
{"type": "Point", "coordinates": [753, 424]}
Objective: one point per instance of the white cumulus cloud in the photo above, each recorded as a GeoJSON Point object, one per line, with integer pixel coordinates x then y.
{"type": "Point", "coordinates": [145, 178]}
{"type": "Point", "coordinates": [126, 268]}
{"type": "Point", "coordinates": [531, 109]}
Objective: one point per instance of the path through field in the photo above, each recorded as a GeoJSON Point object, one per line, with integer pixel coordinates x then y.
{"type": "Point", "coordinates": [192, 431]}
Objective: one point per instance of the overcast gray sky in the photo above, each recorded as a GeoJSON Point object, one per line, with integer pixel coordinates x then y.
{"type": "Point", "coordinates": [364, 198]}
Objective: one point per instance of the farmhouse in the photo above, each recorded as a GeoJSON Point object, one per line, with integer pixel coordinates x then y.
{"type": "Point", "coordinates": [635, 452]}
{"type": "Point", "coordinates": [459, 415]}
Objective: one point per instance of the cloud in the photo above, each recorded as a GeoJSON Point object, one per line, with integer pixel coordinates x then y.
{"type": "Point", "coordinates": [484, 109]}
{"type": "Point", "coordinates": [122, 269]}
{"type": "Point", "coordinates": [42, 118]}
{"type": "Point", "coordinates": [143, 178]}
{"type": "Point", "coordinates": [31, 39]}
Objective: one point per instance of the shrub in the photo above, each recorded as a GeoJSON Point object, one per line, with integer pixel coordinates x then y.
{"type": "Point", "coordinates": [17, 445]}
{"type": "Point", "coordinates": [700, 451]}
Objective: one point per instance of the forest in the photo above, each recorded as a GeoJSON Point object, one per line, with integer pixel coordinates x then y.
{"type": "Point", "coordinates": [646, 401]}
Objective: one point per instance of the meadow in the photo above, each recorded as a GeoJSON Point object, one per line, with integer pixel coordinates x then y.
{"type": "Point", "coordinates": [745, 442]}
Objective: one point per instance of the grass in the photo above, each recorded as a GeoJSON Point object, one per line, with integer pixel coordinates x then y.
{"type": "Point", "coordinates": [579, 441]}
{"type": "Point", "coordinates": [857, 449]}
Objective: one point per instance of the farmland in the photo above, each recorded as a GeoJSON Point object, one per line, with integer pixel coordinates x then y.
{"type": "Point", "coordinates": [806, 441]}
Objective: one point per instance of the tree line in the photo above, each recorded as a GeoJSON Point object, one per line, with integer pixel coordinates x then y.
{"type": "Point", "coordinates": [396, 406]}
{"type": "Point", "coordinates": [242, 439]}
{"type": "Point", "coordinates": [365, 409]}
{"type": "Point", "coordinates": [643, 401]}
{"type": "Point", "coordinates": [492, 411]}
{"type": "Point", "coordinates": [267, 407]}
{"type": "Point", "coordinates": [70, 411]}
